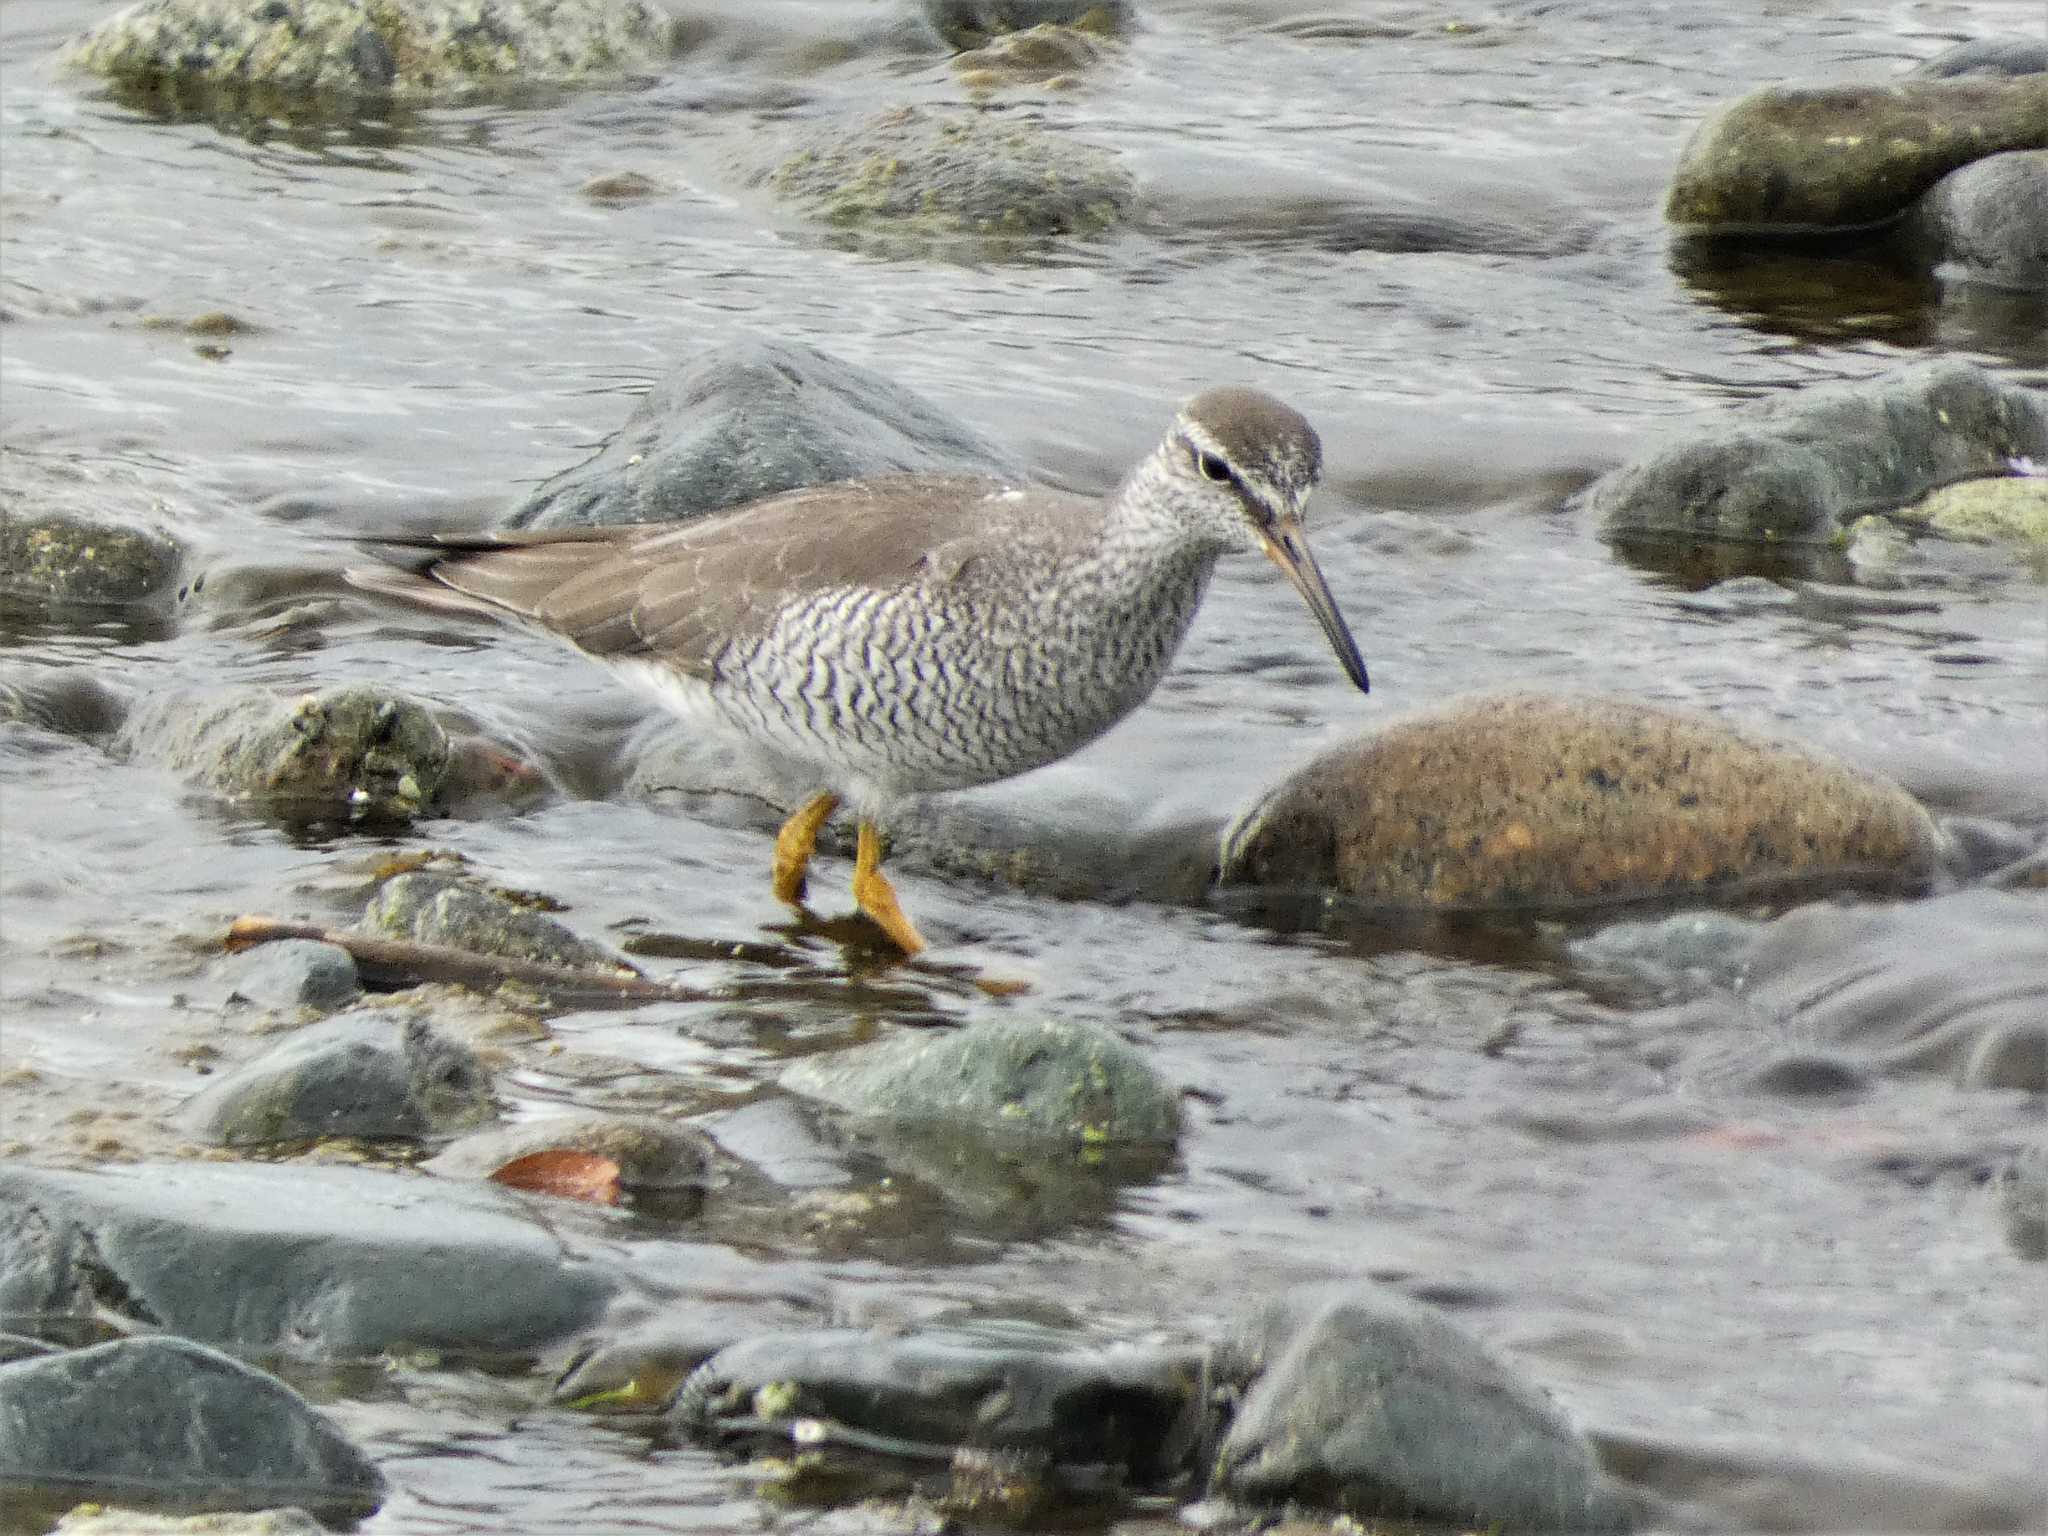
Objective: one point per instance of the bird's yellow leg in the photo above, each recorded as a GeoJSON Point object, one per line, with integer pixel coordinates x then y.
{"type": "Point", "coordinates": [876, 896]}
{"type": "Point", "coordinates": [794, 845]}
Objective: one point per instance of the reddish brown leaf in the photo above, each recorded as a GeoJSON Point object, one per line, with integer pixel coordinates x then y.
{"type": "Point", "coordinates": [566, 1172]}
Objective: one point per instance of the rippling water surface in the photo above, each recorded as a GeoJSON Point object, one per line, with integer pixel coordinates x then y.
{"type": "Point", "coordinates": [439, 318]}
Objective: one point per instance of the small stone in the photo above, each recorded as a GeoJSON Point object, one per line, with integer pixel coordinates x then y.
{"type": "Point", "coordinates": [441, 909]}
{"type": "Point", "coordinates": [291, 973]}
{"type": "Point", "coordinates": [1044, 1081]}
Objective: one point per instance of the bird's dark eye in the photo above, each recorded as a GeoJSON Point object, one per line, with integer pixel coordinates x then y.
{"type": "Point", "coordinates": [1212, 467]}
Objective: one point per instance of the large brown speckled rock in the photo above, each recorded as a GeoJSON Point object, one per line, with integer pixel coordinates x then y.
{"type": "Point", "coordinates": [1530, 800]}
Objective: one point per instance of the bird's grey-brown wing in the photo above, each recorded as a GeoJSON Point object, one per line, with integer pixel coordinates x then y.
{"type": "Point", "coordinates": [683, 591]}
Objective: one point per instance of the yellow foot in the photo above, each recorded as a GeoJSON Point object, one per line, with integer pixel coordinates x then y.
{"type": "Point", "coordinates": [876, 896]}
{"type": "Point", "coordinates": [794, 844]}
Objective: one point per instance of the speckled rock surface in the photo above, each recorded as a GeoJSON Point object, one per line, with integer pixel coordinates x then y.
{"type": "Point", "coordinates": [350, 753]}
{"type": "Point", "coordinates": [921, 173]}
{"type": "Point", "coordinates": [1789, 159]}
{"type": "Point", "coordinates": [306, 52]}
{"type": "Point", "coordinates": [440, 909]}
{"type": "Point", "coordinates": [2012, 509]}
{"type": "Point", "coordinates": [1800, 466]}
{"type": "Point", "coordinates": [62, 559]}
{"type": "Point", "coordinates": [1531, 800]}
{"type": "Point", "coordinates": [748, 419]}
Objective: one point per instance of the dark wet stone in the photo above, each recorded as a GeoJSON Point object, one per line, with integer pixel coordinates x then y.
{"type": "Point", "coordinates": [1360, 1400]}
{"type": "Point", "coordinates": [1791, 159]}
{"type": "Point", "coordinates": [350, 753]}
{"type": "Point", "coordinates": [965, 24]}
{"type": "Point", "coordinates": [1810, 1076]}
{"type": "Point", "coordinates": [2012, 1055]}
{"type": "Point", "coordinates": [441, 909]}
{"type": "Point", "coordinates": [296, 55]}
{"type": "Point", "coordinates": [1000, 1386]}
{"type": "Point", "coordinates": [2023, 1203]}
{"type": "Point", "coordinates": [314, 1262]}
{"type": "Point", "coordinates": [1988, 222]}
{"type": "Point", "coordinates": [64, 560]}
{"type": "Point", "coordinates": [178, 1424]}
{"type": "Point", "coordinates": [662, 1159]}
{"type": "Point", "coordinates": [1924, 986]}
{"type": "Point", "coordinates": [1532, 801]}
{"type": "Point", "coordinates": [639, 1368]}
{"type": "Point", "coordinates": [749, 419]}
{"type": "Point", "coordinates": [1987, 56]}
{"type": "Point", "coordinates": [919, 173]}
{"type": "Point", "coordinates": [67, 700]}
{"type": "Point", "coordinates": [291, 973]}
{"type": "Point", "coordinates": [1006, 1079]}
{"type": "Point", "coordinates": [376, 1076]}
{"type": "Point", "coordinates": [1801, 466]}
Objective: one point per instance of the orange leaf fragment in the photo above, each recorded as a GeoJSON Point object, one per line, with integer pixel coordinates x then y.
{"type": "Point", "coordinates": [566, 1172]}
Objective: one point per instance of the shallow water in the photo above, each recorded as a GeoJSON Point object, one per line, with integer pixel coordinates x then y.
{"type": "Point", "coordinates": [441, 319]}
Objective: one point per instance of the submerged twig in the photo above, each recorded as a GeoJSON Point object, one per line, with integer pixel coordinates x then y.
{"type": "Point", "coordinates": [403, 961]}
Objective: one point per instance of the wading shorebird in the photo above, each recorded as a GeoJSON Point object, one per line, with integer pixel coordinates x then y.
{"type": "Point", "coordinates": [911, 633]}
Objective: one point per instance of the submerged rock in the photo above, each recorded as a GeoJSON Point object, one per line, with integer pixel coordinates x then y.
{"type": "Point", "coordinates": [749, 419]}
{"type": "Point", "coordinates": [1031, 1392]}
{"type": "Point", "coordinates": [1801, 466]}
{"type": "Point", "coordinates": [1957, 984]}
{"type": "Point", "coordinates": [374, 1076]}
{"type": "Point", "coordinates": [1526, 801]}
{"type": "Point", "coordinates": [66, 560]}
{"type": "Point", "coordinates": [1988, 222]}
{"type": "Point", "coordinates": [1359, 1400]}
{"type": "Point", "coordinates": [178, 1423]}
{"type": "Point", "coordinates": [917, 173]}
{"type": "Point", "coordinates": [1049, 1082]}
{"type": "Point", "coordinates": [289, 974]}
{"type": "Point", "coordinates": [298, 55]}
{"type": "Point", "coordinates": [349, 753]}
{"type": "Point", "coordinates": [1797, 159]}
{"type": "Point", "coordinates": [442, 909]}
{"type": "Point", "coordinates": [314, 1262]}
{"type": "Point", "coordinates": [2023, 1203]}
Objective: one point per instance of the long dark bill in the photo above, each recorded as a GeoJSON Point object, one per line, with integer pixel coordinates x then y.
{"type": "Point", "coordinates": [1287, 545]}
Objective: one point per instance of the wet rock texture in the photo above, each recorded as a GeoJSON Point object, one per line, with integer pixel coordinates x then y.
{"type": "Point", "coordinates": [408, 50]}
{"type": "Point", "coordinates": [180, 1423]}
{"type": "Point", "coordinates": [1845, 157]}
{"type": "Point", "coordinates": [1364, 1401]}
{"type": "Point", "coordinates": [317, 1263]}
{"type": "Point", "coordinates": [349, 753]}
{"type": "Point", "coordinates": [918, 172]}
{"type": "Point", "coordinates": [61, 559]}
{"type": "Point", "coordinates": [440, 909]}
{"type": "Point", "coordinates": [1534, 801]}
{"type": "Point", "coordinates": [1055, 1082]}
{"type": "Point", "coordinates": [1800, 467]}
{"type": "Point", "coordinates": [750, 419]}
{"type": "Point", "coordinates": [652, 1158]}
{"type": "Point", "coordinates": [1988, 222]}
{"type": "Point", "coordinates": [372, 1076]}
